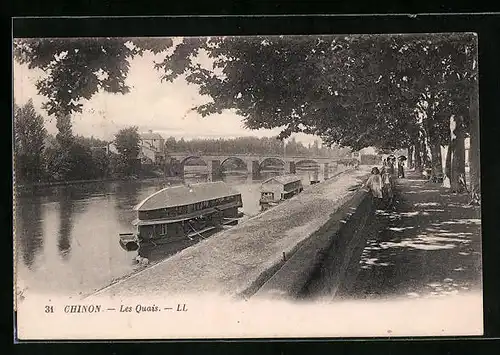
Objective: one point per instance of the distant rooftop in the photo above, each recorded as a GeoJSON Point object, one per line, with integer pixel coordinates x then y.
{"type": "Point", "coordinates": [283, 179]}
{"type": "Point", "coordinates": [150, 135]}
{"type": "Point", "coordinates": [185, 195]}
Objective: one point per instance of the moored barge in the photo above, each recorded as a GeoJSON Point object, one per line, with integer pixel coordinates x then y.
{"type": "Point", "coordinates": [279, 188]}
{"type": "Point", "coordinates": [179, 216]}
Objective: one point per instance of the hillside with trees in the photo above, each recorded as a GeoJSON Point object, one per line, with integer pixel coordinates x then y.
{"type": "Point", "coordinates": [254, 145]}
{"type": "Point", "coordinates": [40, 157]}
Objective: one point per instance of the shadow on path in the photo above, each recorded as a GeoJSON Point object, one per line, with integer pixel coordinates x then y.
{"type": "Point", "coordinates": [429, 246]}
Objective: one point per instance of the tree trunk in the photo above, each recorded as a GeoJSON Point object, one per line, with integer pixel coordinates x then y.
{"type": "Point", "coordinates": [410, 157]}
{"type": "Point", "coordinates": [433, 145]}
{"type": "Point", "coordinates": [474, 150]}
{"type": "Point", "coordinates": [418, 156]}
{"type": "Point", "coordinates": [447, 168]}
{"type": "Point", "coordinates": [457, 178]}
{"type": "Point", "coordinates": [424, 152]}
{"type": "Point", "coordinates": [436, 158]}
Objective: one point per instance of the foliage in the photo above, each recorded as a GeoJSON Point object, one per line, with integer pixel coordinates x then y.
{"type": "Point", "coordinates": [29, 143]}
{"type": "Point", "coordinates": [65, 133]}
{"type": "Point", "coordinates": [356, 91]}
{"type": "Point", "coordinates": [58, 163]}
{"type": "Point", "coordinates": [117, 166]}
{"type": "Point", "coordinates": [91, 141]}
{"type": "Point", "coordinates": [83, 158]}
{"type": "Point", "coordinates": [127, 144]}
{"type": "Point", "coordinates": [100, 164]}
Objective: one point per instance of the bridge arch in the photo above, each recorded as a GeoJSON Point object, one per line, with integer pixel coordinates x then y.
{"type": "Point", "coordinates": [266, 161]}
{"type": "Point", "coordinates": [239, 160]}
{"type": "Point", "coordinates": [193, 157]}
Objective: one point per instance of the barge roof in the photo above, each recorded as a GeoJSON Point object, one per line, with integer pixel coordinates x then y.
{"type": "Point", "coordinates": [185, 195]}
{"type": "Point", "coordinates": [282, 180]}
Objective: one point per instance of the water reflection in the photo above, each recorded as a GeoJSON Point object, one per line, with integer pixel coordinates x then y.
{"type": "Point", "coordinates": [28, 228]}
{"type": "Point", "coordinates": [127, 195]}
{"type": "Point", "coordinates": [66, 211]}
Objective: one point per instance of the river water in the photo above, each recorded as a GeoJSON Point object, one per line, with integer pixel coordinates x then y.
{"type": "Point", "coordinates": [66, 237]}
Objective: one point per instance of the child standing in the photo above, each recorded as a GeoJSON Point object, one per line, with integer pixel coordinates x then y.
{"type": "Point", "coordinates": [374, 185]}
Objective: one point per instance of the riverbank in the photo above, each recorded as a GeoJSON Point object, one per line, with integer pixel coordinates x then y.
{"type": "Point", "coordinates": [238, 261]}
{"type": "Point", "coordinates": [94, 181]}
{"type": "Point", "coordinates": [141, 267]}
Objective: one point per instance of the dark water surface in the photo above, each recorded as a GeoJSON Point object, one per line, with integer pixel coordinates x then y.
{"type": "Point", "coordinates": [66, 237]}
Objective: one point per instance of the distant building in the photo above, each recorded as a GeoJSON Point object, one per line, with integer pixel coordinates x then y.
{"type": "Point", "coordinates": [279, 188]}
{"type": "Point", "coordinates": [152, 148]}
{"type": "Point", "coordinates": [360, 155]}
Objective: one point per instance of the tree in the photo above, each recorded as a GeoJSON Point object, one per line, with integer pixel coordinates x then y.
{"type": "Point", "coordinates": [100, 164]}
{"type": "Point", "coordinates": [65, 133]}
{"type": "Point", "coordinates": [170, 145]}
{"type": "Point", "coordinates": [82, 165]}
{"type": "Point", "coordinates": [58, 163]}
{"type": "Point", "coordinates": [385, 91]}
{"type": "Point", "coordinates": [127, 144]}
{"type": "Point", "coordinates": [327, 85]}
{"type": "Point", "coordinates": [29, 141]}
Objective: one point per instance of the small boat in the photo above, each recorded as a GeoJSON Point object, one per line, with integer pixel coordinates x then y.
{"type": "Point", "coordinates": [179, 216]}
{"type": "Point", "coordinates": [128, 241]}
{"type": "Point", "coordinates": [279, 188]}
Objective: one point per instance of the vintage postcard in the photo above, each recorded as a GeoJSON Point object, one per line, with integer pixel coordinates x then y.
{"type": "Point", "coordinates": [247, 187]}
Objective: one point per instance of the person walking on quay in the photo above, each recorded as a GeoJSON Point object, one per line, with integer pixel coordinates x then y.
{"type": "Point", "coordinates": [374, 185]}
{"type": "Point", "coordinates": [401, 171]}
{"type": "Point", "coordinates": [390, 164]}
{"type": "Point", "coordinates": [387, 188]}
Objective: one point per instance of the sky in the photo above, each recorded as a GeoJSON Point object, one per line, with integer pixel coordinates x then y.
{"type": "Point", "coordinates": [150, 105]}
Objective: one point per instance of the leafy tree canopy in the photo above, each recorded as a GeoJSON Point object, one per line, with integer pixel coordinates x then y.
{"type": "Point", "coordinates": [357, 91]}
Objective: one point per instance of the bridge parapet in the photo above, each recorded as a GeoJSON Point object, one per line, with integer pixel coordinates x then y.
{"type": "Point", "coordinates": [253, 162]}
{"type": "Point", "coordinates": [250, 157]}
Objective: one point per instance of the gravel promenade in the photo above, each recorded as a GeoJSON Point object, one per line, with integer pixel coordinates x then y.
{"type": "Point", "coordinates": [429, 246]}
{"type": "Point", "coordinates": [230, 263]}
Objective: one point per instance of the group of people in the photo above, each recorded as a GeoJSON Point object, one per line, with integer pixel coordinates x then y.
{"type": "Point", "coordinates": [381, 182]}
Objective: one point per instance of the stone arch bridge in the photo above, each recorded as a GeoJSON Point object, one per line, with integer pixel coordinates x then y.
{"type": "Point", "coordinates": [254, 163]}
